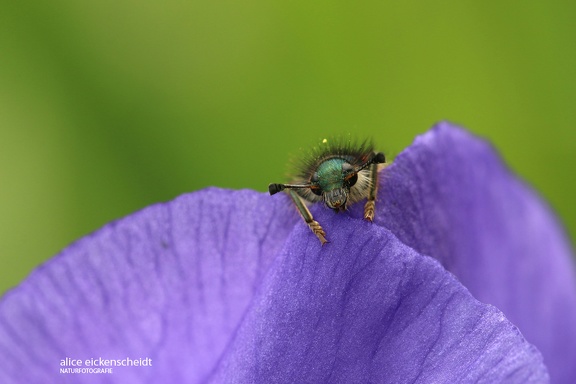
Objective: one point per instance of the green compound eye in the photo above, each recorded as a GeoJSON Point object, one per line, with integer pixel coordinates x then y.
{"type": "Point", "coordinates": [339, 174]}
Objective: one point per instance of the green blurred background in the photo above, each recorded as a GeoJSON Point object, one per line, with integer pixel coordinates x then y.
{"type": "Point", "coordinates": [109, 106]}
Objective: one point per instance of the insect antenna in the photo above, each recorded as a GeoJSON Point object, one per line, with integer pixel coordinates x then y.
{"type": "Point", "coordinates": [275, 188]}
{"type": "Point", "coordinates": [377, 158]}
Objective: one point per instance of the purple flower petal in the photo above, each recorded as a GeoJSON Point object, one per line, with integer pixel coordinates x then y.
{"type": "Point", "coordinates": [366, 308]}
{"type": "Point", "coordinates": [232, 286]}
{"type": "Point", "coordinates": [171, 283]}
{"type": "Point", "coordinates": [449, 196]}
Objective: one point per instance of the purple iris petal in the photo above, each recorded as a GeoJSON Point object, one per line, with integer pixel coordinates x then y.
{"type": "Point", "coordinates": [171, 283]}
{"type": "Point", "coordinates": [450, 197]}
{"type": "Point", "coordinates": [232, 286]}
{"type": "Point", "coordinates": [366, 308]}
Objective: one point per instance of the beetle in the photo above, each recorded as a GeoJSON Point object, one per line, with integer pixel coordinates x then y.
{"type": "Point", "coordinates": [338, 173]}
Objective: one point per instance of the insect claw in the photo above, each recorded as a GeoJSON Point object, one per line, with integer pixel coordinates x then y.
{"type": "Point", "coordinates": [318, 231]}
{"type": "Point", "coordinates": [369, 210]}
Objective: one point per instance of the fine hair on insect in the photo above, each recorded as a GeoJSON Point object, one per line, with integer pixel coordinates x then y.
{"type": "Point", "coordinates": [338, 172]}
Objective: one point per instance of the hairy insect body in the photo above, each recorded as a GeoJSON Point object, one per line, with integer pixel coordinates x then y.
{"type": "Point", "coordinates": [338, 174]}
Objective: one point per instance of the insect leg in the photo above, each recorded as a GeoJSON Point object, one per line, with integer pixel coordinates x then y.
{"type": "Point", "coordinates": [307, 216]}
{"type": "Point", "coordinates": [371, 203]}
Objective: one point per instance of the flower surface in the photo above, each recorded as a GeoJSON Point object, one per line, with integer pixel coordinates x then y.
{"type": "Point", "coordinates": [464, 276]}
